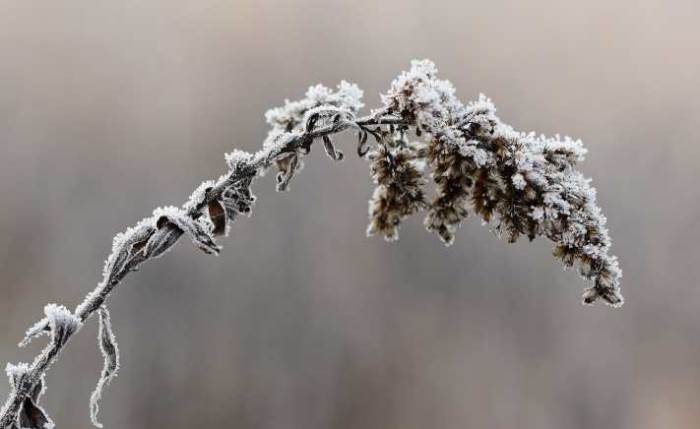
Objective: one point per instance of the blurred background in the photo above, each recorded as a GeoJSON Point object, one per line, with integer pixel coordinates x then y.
{"type": "Point", "coordinates": [109, 109]}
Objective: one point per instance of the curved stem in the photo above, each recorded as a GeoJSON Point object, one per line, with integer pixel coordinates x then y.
{"type": "Point", "coordinates": [96, 298]}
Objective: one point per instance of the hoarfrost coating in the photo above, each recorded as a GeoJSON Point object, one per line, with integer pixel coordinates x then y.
{"type": "Point", "coordinates": [519, 184]}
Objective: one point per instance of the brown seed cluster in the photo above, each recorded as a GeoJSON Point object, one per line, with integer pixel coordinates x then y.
{"type": "Point", "coordinates": [397, 170]}
{"type": "Point", "coordinates": [518, 183]}
{"type": "Point", "coordinates": [452, 174]}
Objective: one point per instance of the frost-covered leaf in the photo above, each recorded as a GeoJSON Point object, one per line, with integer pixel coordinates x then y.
{"type": "Point", "coordinates": [36, 330]}
{"type": "Point", "coordinates": [217, 215]}
{"type": "Point", "coordinates": [162, 240]}
{"type": "Point", "coordinates": [362, 148]}
{"type": "Point", "coordinates": [240, 161]}
{"type": "Point", "coordinates": [110, 353]}
{"type": "Point", "coordinates": [234, 200]}
{"type": "Point", "coordinates": [326, 115]}
{"type": "Point", "coordinates": [125, 246]}
{"type": "Point", "coordinates": [331, 151]}
{"type": "Point", "coordinates": [288, 165]}
{"type": "Point", "coordinates": [59, 322]}
{"type": "Point", "coordinates": [30, 415]}
{"type": "Point", "coordinates": [311, 120]}
{"type": "Point", "coordinates": [296, 119]}
{"type": "Point", "coordinates": [199, 195]}
{"type": "Point", "coordinates": [15, 372]}
{"type": "Point", "coordinates": [199, 233]}
{"type": "Point", "coordinates": [237, 199]}
{"type": "Point", "coordinates": [62, 323]}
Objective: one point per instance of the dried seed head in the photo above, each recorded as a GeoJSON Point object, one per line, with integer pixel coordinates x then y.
{"type": "Point", "coordinates": [518, 183]}
{"type": "Point", "coordinates": [397, 171]}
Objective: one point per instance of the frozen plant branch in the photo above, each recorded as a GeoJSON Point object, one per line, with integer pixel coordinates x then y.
{"type": "Point", "coordinates": [518, 183]}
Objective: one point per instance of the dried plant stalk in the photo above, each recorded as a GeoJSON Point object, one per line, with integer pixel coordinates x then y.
{"type": "Point", "coordinates": [517, 183]}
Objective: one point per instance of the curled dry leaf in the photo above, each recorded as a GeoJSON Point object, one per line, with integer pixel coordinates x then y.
{"type": "Point", "coordinates": [331, 151]}
{"type": "Point", "coordinates": [110, 353]}
{"type": "Point", "coordinates": [362, 147]}
{"type": "Point", "coordinates": [238, 199]}
{"type": "Point", "coordinates": [30, 415]}
{"type": "Point", "coordinates": [125, 246]}
{"type": "Point", "coordinates": [194, 228]}
{"type": "Point", "coordinates": [217, 215]}
{"type": "Point", "coordinates": [162, 240]}
{"type": "Point", "coordinates": [59, 322]}
{"type": "Point", "coordinates": [288, 165]}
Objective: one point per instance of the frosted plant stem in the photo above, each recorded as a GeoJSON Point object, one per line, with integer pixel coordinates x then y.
{"type": "Point", "coordinates": [97, 297]}
{"type": "Point", "coordinates": [519, 184]}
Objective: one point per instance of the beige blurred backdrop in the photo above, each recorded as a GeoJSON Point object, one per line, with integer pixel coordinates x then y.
{"type": "Point", "coordinates": [110, 108]}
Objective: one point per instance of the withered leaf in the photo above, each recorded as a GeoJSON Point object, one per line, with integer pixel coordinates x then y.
{"type": "Point", "coordinates": [32, 416]}
{"type": "Point", "coordinates": [198, 233]}
{"type": "Point", "coordinates": [110, 353]}
{"type": "Point", "coordinates": [217, 215]}
{"type": "Point", "coordinates": [331, 151]}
